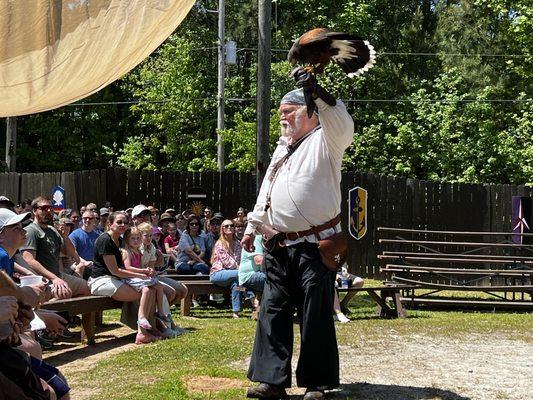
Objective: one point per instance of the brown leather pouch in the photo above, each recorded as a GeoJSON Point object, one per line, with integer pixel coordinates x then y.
{"type": "Point", "coordinates": [274, 243]}
{"type": "Point", "coordinates": [333, 251]}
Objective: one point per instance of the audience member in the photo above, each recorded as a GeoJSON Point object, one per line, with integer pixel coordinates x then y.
{"type": "Point", "coordinates": [181, 223]}
{"type": "Point", "coordinates": [191, 259]}
{"type": "Point", "coordinates": [250, 275]}
{"type": "Point", "coordinates": [42, 247]}
{"type": "Point", "coordinates": [208, 213]}
{"type": "Point", "coordinates": [83, 238]}
{"type": "Point", "coordinates": [171, 211]}
{"type": "Point", "coordinates": [91, 207]}
{"type": "Point", "coordinates": [171, 243]}
{"type": "Point", "coordinates": [109, 206]}
{"type": "Point", "coordinates": [102, 226]}
{"type": "Point", "coordinates": [212, 234]}
{"type": "Point", "coordinates": [225, 264]}
{"type": "Point", "coordinates": [108, 272]}
{"type": "Point", "coordinates": [352, 281]}
{"type": "Point", "coordinates": [75, 218]}
{"type": "Point", "coordinates": [67, 263]}
{"type": "Point", "coordinates": [140, 214]}
{"type": "Point", "coordinates": [239, 229]}
{"type": "Point", "coordinates": [6, 203]}
{"type": "Point", "coordinates": [133, 261]}
{"type": "Point", "coordinates": [154, 215]}
{"type": "Point", "coordinates": [241, 216]}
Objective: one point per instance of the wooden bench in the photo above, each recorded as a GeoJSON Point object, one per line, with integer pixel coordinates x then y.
{"type": "Point", "coordinates": [380, 294]}
{"type": "Point", "coordinates": [198, 288]}
{"type": "Point", "coordinates": [506, 273]}
{"type": "Point", "coordinates": [88, 307]}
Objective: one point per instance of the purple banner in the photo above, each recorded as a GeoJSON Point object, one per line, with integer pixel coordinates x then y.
{"type": "Point", "coordinates": [521, 222]}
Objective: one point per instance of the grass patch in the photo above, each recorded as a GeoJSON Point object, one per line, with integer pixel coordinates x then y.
{"type": "Point", "coordinates": [210, 362]}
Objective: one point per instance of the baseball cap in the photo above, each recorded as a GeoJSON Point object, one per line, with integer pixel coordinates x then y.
{"type": "Point", "coordinates": [156, 231]}
{"type": "Point", "coordinates": [104, 211]}
{"type": "Point", "coordinates": [8, 217]}
{"type": "Point", "coordinates": [66, 221]}
{"type": "Point", "coordinates": [139, 209]}
{"type": "Point", "coordinates": [166, 216]}
{"type": "Point", "coordinates": [217, 216]}
{"type": "Point", "coordinates": [5, 200]}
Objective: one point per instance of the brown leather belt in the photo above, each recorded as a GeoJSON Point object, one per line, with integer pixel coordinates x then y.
{"type": "Point", "coordinates": [313, 230]}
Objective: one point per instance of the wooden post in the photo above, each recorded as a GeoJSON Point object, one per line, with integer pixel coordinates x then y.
{"type": "Point", "coordinates": [263, 88]}
{"type": "Point", "coordinates": [221, 73]}
{"type": "Point", "coordinates": [11, 144]}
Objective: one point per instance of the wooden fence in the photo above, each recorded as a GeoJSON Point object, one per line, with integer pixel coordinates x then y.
{"type": "Point", "coordinates": [392, 201]}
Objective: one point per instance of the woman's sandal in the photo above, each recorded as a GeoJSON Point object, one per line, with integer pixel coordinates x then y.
{"type": "Point", "coordinates": [144, 324]}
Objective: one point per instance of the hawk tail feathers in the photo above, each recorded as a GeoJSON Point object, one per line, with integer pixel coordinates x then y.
{"type": "Point", "coordinates": [355, 57]}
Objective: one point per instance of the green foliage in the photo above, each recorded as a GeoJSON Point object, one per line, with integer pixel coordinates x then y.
{"type": "Point", "coordinates": [445, 127]}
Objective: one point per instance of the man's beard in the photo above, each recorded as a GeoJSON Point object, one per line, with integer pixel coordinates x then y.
{"type": "Point", "coordinates": [287, 130]}
{"type": "Point", "coordinates": [47, 219]}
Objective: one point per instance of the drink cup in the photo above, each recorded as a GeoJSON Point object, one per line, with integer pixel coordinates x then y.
{"type": "Point", "coordinates": [30, 280]}
{"type": "Point", "coordinates": [345, 283]}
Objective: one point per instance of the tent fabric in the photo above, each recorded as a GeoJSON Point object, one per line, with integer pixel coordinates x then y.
{"type": "Point", "coordinates": [54, 52]}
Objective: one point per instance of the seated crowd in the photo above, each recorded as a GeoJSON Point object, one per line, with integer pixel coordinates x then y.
{"type": "Point", "coordinates": [121, 254]}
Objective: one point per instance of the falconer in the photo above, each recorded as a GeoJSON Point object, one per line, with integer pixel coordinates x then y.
{"type": "Point", "coordinates": [300, 199]}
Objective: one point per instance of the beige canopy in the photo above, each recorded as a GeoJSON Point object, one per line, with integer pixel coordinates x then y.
{"type": "Point", "coordinates": [54, 52]}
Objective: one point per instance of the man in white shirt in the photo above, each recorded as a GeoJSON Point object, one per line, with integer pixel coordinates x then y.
{"type": "Point", "coordinates": [299, 192]}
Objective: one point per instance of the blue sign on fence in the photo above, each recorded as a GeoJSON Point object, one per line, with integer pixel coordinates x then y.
{"type": "Point", "coordinates": [59, 201]}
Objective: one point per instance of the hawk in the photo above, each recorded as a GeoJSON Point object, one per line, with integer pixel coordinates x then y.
{"type": "Point", "coordinates": [319, 46]}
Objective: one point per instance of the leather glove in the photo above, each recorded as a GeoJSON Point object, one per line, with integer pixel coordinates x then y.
{"type": "Point", "coordinates": [312, 90]}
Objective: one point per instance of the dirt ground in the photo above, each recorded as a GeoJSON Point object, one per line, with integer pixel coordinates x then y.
{"type": "Point", "coordinates": [483, 367]}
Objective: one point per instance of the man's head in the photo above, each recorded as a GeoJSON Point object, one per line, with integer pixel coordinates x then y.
{"type": "Point", "coordinates": [293, 116]}
{"type": "Point", "coordinates": [89, 221]}
{"type": "Point", "coordinates": [104, 213]}
{"type": "Point", "coordinates": [91, 207]}
{"type": "Point", "coordinates": [75, 218]}
{"type": "Point", "coordinates": [140, 214]}
{"type": "Point", "coordinates": [214, 224]}
{"type": "Point", "coordinates": [12, 235]}
{"type": "Point", "coordinates": [6, 203]}
{"type": "Point", "coordinates": [43, 211]}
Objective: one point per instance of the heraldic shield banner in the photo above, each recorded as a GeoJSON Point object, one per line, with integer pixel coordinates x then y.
{"type": "Point", "coordinates": [357, 211]}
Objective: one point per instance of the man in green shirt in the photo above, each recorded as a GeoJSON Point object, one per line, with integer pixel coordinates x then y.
{"type": "Point", "coordinates": [42, 247]}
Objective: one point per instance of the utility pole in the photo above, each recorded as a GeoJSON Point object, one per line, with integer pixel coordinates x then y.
{"type": "Point", "coordinates": [220, 95]}
{"type": "Point", "coordinates": [11, 144]}
{"type": "Point", "coordinates": [263, 89]}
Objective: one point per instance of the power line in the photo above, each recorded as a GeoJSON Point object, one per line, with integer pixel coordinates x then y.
{"type": "Point", "coordinates": [394, 53]}
{"type": "Point", "coordinates": [407, 100]}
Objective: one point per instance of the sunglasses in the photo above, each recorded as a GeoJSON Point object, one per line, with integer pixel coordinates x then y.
{"type": "Point", "coordinates": [155, 213]}
{"type": "Point", "coordinates": [228, 226]}
{"type": "Point", "coordinates": [194, 224]}
{"type": "Point", "coordinates": [121, 222]}
{"type": "Point", "coordinates": [45, 208]}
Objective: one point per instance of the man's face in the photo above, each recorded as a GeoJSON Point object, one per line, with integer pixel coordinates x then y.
{"type": "Point", "coordinates": [142, 217]}
{"type": "Point", "coordinates": [214, 227]}
{"type": "Point", "coordinates": [44, 213]}
{"type": "Point", "coordinates": [294, 121]}
{"type": "Point", "coordinates": [89, 221]}
{"type": "Point", "coordinates": [13, 236]}
{"type": "Point", "coordinates": [75, 218]}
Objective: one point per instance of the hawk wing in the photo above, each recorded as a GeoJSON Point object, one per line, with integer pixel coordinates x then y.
{"type": "Point", "coordinates": [319, 46]}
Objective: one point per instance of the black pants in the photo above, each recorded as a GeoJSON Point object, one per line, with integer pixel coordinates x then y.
{"type": "Point", "coordinates": [295, 276]}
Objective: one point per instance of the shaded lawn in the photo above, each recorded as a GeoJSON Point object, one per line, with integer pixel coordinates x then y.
{"type": "Point", "coordinates": [218, 346]}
